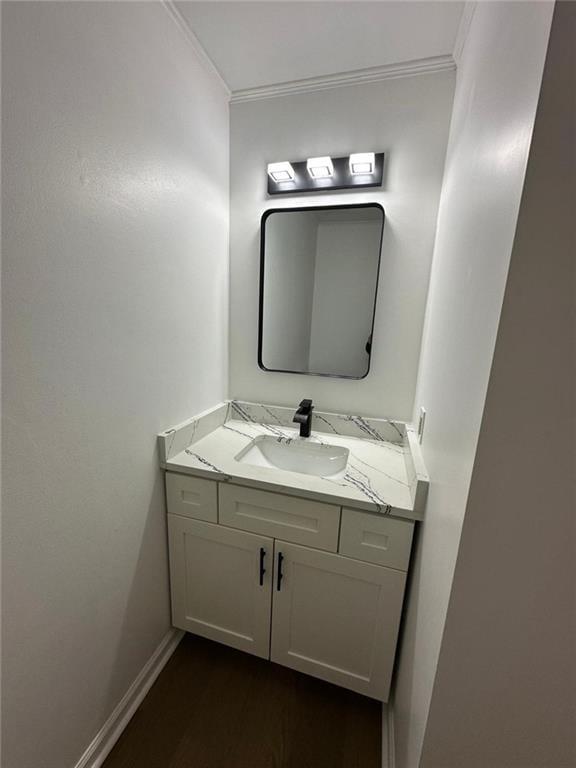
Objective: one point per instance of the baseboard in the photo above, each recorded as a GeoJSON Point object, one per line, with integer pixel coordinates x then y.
{"type": "Point", "coordinates": [111, 731]}
{"type": "Point", "coordinates": [388, 751]}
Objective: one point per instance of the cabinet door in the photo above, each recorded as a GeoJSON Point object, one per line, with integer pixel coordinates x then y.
{"type": "Point", "coordinates": [336, 618]}
{"type": "Point", "coordinates": [221, 583]}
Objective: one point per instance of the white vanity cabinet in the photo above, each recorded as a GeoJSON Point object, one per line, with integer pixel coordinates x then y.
{"type": "Point", "coordinates": [274, 575]}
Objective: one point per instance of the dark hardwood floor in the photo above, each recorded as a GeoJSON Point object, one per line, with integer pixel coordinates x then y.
{"type": "Point", "coordinates": [214, 707]}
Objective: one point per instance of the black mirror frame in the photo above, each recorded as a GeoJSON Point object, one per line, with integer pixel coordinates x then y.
{"type": "Point", "coordinates": [263, 220]}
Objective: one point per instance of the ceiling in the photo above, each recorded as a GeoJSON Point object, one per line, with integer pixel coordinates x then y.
{"type": "Point", "coordinates": [256, 44]}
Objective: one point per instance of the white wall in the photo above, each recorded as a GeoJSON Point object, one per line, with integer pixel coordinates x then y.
{"type": "Point", "coordinates": [494, 109]}
{"type": "Point", "coordinates": [505, 694]}
{"type": "Point", "coordinates": [408, 118]}
{"type": "Point", "coordinates": [115, 213]}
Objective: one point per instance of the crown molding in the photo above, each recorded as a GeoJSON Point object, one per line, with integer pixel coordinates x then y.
{"type": "Point", "coordinates": [463, 30]}
{"type": "Point", "coordinates": [196, 45]}
{"type": "Point", "coordinates": [356, 77]}
{"type": "Point", "coordinates": [325, 82]}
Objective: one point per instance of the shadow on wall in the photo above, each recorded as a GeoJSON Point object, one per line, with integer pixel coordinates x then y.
{"type": "Point", "coordinates": [138, 621]}
{"type": "Point", "coordinates": [406, 645]}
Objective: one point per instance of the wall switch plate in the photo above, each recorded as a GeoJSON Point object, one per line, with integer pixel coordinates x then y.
{"type": "Point", "coordinates": [421, 422]}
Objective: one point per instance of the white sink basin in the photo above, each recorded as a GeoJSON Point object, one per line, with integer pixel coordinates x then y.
{"type": "Point", "coordinates": [298, 455]}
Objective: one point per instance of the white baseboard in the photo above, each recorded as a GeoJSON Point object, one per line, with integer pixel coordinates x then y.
{"type": "Point", "coordinates": [388, 751]}
{"type": "Point", "coordinates": [111, 731]}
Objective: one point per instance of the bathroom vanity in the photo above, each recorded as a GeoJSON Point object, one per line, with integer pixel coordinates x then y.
{"type": "Point", "coordinates": [294, 549]}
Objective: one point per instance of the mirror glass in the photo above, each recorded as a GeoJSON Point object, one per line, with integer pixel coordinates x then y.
{"type": "Point", "coordinates": [318, 283]}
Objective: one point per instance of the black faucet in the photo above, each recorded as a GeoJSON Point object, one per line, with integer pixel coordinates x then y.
{"type": "Point", "coordinates": [303, 416]}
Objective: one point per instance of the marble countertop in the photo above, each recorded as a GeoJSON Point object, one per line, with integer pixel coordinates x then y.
{"type": "Point", "coordinates": [382, 474]}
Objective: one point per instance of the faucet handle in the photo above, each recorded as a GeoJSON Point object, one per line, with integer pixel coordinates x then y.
{"type": "Point", "coordinates": [306, 404]}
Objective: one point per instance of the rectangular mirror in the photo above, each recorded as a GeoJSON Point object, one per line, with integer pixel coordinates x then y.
{"type": "Point", "coordinates": [318, 283]}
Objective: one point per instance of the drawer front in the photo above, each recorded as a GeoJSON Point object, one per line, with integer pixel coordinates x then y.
{"type": "Point", "coordinates": [311, 523]}
{"type": "Point", "coordinates": [192, 497]}
{"type": "Point", "coordinates": [379, 540]}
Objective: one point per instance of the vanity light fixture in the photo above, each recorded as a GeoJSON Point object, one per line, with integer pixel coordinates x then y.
{"type": "Point", "coordinates": [326, 174]}
{"type": "Point", "coordinates": [362, 163]}
{"type": "Point", "coordinates": [280, 172]}
{"type": "Point", "coordinates": [320, 167]}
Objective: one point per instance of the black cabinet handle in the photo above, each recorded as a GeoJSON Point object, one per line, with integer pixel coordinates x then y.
{"type": "Point", "coordinates": [279, 574]}
{"type": "Point", "coordinates": [262, 569]}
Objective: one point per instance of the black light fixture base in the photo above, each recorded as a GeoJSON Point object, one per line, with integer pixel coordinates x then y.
{"type": "Point", "coordinates": [342, 178]}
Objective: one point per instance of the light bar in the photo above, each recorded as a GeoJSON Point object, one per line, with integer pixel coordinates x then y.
{"type": "Point", "coordinates": [281, 171]}
{"type": "Point", "coordinates": [325, 174]}
{"type": "Point", "coordinates": [362, 163]}
{"type": "Point", "coordinates": [320, 167]}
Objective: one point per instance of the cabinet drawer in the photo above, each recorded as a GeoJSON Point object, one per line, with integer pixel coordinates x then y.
{"type": "Point", "coordinates": [379, 540]}
{"type": "Point", "coordinates": [283, 517]}
{"type": "Point", "coordinates": [192, 497]}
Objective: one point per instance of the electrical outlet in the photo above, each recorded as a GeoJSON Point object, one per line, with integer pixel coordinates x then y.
{"type": "Point", "coordinates": [421, 423]}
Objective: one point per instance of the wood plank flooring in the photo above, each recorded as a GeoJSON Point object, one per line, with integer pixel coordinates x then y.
{"type": "Point", "coordinates": [214, 707]}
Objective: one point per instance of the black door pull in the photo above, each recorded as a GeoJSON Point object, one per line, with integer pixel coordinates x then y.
{"type": "Point", "coordinates": [279, 575]}
{"type": "Point", "coordinates": [262, 569]}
